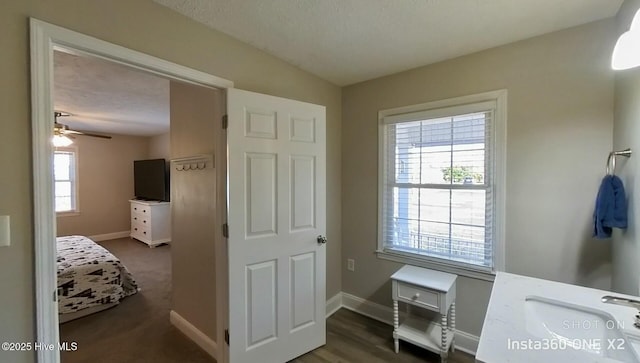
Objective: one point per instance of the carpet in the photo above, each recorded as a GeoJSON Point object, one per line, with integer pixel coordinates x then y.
{"type": "Point", "coordinates": [137, 330]}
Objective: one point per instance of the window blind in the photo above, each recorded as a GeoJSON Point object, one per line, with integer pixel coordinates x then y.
{"type": "Point", "coordinates": [438, 184]}
{"type": "Point", "coordinates": [64, 178]}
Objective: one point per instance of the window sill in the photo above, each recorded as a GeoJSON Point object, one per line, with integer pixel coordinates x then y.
{"type": "Point", "coordinates": [477, 274]}
{"type": "Point", "coordinates": [67, 214]}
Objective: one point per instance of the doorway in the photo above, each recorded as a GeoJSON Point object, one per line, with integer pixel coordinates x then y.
{"type": "Point", "coordinates": [123, 213]}
{"type": "Point", "coordinates": [45, 39]}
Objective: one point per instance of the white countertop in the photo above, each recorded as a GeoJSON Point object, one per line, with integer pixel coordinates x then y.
{"type": "Point", "coordinates": [506, 319]}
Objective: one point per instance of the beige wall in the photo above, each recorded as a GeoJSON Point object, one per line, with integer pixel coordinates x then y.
{"type": "Point", "coordinates": [160, 147]}
{"type": "Point", "coordinates": [158, 31]}
{"type": "Point", "coordinates": [105, 185]}
{"type": "Point", "coordinates": [626, 133]}
{"type": "Point", "coordinates": [560, 102]}
{"type": "Point", "coordinates": [193, 205]}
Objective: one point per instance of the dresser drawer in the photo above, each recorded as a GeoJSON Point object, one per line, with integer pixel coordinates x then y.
{"type": "Point", "coordinates": [139, 218]}
{"type": "Point", "coordinates": [140, 230]}
{"type": "Point", "coordinates": [140, 209]}
{"type": "Point", "coordinates": [418, 296]}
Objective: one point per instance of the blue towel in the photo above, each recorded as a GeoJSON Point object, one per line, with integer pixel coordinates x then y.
{"type": "Point", "coordinates": [611, 207]}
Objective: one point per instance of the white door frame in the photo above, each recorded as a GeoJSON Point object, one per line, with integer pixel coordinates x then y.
{"type": "Point", "coordinates": [45, 38]}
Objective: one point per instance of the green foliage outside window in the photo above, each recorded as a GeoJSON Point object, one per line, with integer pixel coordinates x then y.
{"type": "Point", "coordinates": [459, 173]}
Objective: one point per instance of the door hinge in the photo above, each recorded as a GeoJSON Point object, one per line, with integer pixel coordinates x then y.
{"type": "Point", "coordinates": [55, 295]}
{"type": "Point", "coordinates": [226, 336]}
{"type": "Point", "coordinates": [225, 121]}
{"type": "Point", "coordinates": [225, 230]}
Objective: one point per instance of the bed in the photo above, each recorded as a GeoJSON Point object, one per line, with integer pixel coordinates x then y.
{"type": "Point", "coordinates": [90, 278]}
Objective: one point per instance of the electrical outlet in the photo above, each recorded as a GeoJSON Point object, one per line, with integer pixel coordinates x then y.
{"type": "Point", "coordinates": [351, 264]}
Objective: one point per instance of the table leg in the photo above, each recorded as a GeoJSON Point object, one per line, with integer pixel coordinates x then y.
{"type": "Point", "coordinates": [443, 348]}
{"type": "Point", "coordinates": [396, 344]}
{"type": "Point", "coordinates": [453, 326]}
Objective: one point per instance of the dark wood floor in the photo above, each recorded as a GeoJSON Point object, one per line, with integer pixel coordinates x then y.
{"type": "Point", "coordinates": [352, 337]}
{"type": "Point", "coordinates": [138, 330]}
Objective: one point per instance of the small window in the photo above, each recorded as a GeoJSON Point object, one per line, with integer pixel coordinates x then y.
{"type": "Point", "coordinates": [442, 183]}
{"type": "Point", "coordinates": [65, 180]}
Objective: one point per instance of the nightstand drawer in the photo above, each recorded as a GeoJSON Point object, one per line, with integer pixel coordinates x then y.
{"type": "Point", "coordinates": [418, 296]}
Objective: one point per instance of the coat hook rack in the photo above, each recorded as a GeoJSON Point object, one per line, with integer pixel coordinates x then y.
{"type": "Point", "coordinates": [611, 160]}
{"type": "Point", "coordinates": [196, 162]}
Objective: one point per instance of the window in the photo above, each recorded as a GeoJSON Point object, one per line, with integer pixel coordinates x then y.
{"type": "Point", "coordinates": [442, 184]}
{"type": "Point", "coordinates": [65, 178]}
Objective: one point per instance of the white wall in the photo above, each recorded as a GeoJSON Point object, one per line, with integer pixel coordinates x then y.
{"type": "Point", "coordinates": [559, 127]}
{"type": "Point", "coordinates": [626, 133]}
{"type": "Point", "coordinates": [105, 185]}
{"type": "Point", "coordinates": [194, 209]}
{"type": "Point", "coordinates": [160, 147]}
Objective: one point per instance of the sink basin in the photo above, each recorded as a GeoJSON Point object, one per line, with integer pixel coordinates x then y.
{"type": "Point", "coordinates": [574, 327]}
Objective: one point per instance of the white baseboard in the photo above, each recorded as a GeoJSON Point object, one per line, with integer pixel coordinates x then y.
{"type": "Point", "coordinates": [334, 304]}
{"type": "Point", "coordinates": [367, 308]}
{"type": "Point", "coordinates": [108, 236]}
{"type": "Point", "coordinates": [464, 341]}
{"type": "Point", "coordinates": [198, 337]}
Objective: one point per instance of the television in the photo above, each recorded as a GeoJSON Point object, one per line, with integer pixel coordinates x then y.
{"type": "Point", "coordinates": [151, 180]}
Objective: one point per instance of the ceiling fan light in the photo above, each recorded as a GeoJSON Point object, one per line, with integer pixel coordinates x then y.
{"type": "Point", "coordinates": [61, 141]}
{"type": "Point", "coordinates": [626, 53]}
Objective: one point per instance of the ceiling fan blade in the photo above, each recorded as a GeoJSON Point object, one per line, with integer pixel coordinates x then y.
{"type": "Point", "coordinates": [62, 129]}
{"type": "Point", "coordinates": [67, 131]}
{"type": "Point", "coordinates": [92, 135]}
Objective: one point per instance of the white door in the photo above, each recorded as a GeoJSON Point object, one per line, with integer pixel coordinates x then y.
{"type": "Point", "coordinates": [276, 215]}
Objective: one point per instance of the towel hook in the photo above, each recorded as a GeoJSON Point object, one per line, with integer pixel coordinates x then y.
{"type": "Point", "coordinates": [611, 160]}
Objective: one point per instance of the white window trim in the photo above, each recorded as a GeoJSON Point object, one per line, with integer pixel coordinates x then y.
{"type": "Point", "coordinates": [499, 167]}
{"type": "Point", "coordinates": [76, 197]}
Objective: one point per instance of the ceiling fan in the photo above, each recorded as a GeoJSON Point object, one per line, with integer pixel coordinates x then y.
{"type": "Point", "coordinates": [62, 134]}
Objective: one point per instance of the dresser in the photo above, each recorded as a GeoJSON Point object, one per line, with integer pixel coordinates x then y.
{"type": "Point", "coordinates": [430, 290]}
{"type": "Point", "coordinates": [151, 222]}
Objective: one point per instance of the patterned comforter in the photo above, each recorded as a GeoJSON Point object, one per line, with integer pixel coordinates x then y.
{"type": "Point", "coordinates": [89, 275]}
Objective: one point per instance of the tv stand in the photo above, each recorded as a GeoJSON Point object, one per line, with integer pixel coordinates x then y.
{"type": "Point", "coordinates": [151, 222]}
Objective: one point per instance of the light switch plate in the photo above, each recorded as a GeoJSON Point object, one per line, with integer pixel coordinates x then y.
{"type": "Point", "coordinates": [5, 232]}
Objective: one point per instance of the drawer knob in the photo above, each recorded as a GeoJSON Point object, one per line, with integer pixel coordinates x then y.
{"type": "Point", "coordinates": [417, 295]}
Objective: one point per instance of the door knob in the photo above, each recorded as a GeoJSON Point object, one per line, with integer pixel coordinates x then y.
{"type": "Point", "coordinates": [321, 239]}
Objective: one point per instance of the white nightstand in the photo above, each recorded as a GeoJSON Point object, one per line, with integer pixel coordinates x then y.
{"type": "Point", "coordinates": [431, 290]}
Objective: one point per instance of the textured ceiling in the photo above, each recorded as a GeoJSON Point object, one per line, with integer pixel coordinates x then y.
{"type": "Point", "coordinates": [349, 41]}
{"type": "Point", "coordinates": [109, 98]}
